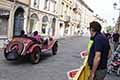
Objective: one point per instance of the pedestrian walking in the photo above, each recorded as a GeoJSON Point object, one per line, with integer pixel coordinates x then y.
{"type": "Point", "coordinates": [115, 37]}
{"type": "Point", "coordinates": [99, 53]}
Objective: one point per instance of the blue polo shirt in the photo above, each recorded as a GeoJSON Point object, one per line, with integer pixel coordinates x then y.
{"type": "Point", "coordinates": [101, 44]}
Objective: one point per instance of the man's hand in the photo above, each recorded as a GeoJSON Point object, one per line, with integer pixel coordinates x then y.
{"type": "Point", "coordinates": [91, 77]}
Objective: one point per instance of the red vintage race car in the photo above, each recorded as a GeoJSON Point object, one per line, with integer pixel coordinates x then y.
{"type": "Point", "coordinates": [28, 47]}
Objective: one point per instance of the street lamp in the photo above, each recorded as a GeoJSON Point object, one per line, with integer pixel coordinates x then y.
{"type": "Point", "coordinates": [117, 8]}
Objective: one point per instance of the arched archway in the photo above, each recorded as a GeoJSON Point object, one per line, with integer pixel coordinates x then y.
{"type": "Point", "coordinates": [53, 26]}
{"type": "Point", "coordinates": [44, 24]}
{"type": "Point", "coordinates": [33, 22]}
{"type": "Point", "coordinates": [18, 21]}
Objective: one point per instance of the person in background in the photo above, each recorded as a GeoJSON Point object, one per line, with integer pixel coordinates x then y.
{"type": "Point", "coordinates": [108, 35]}
{"type": "Point", "coordinates": [115, 37]}
{"type": "Point", "coordinates": [100, 51]}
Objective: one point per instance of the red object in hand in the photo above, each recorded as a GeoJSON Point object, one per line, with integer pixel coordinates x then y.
{"type": "Point", "coordinates": [71, 74]}
{"type": "Point", "coordinates": [83, 54]}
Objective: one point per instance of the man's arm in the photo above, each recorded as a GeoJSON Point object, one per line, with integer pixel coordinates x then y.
{"type": "Point", "coordinates": [95, 63]}
{"type": "Point", "coordinates": [110, 53]}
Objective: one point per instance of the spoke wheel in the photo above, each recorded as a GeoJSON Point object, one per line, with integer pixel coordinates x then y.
{"type": "Point", "coordinates": [55, 48]}
{"type": "Point", "coordinates": [35, 56]}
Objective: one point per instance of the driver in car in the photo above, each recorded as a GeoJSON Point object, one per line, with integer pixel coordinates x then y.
{"type": "Point", "coordinates": [22, 33]}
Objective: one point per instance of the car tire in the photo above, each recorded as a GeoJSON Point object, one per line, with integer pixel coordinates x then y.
{"type": "Point", "coordinates": [35, 56]}
{"type": "Point", "coordinates": [55, 48]}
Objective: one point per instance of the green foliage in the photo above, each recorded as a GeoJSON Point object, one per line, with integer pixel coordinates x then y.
{"type": "Point", "coordinates": [109, 28]}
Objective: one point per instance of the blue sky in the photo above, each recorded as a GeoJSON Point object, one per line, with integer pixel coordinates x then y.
{"type": "Point", "coordinates": [104, 8]}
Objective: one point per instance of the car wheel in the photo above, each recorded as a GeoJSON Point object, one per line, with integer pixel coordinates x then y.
{"type": "Point", "coordinates": [55, 48]}
{"type": "Point", "coordinates": [35, 56]}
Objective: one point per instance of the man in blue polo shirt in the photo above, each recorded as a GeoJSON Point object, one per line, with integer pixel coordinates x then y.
{"type": "Point", "coordinates": [100, 51]}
